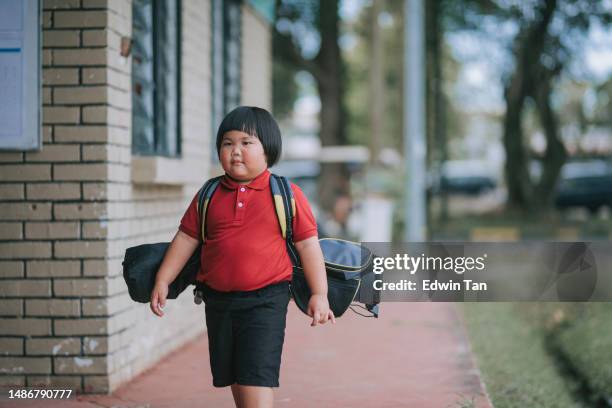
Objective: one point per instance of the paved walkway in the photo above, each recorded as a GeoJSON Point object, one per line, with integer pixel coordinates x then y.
{"type": "Point", "coordinates": [414, 355]}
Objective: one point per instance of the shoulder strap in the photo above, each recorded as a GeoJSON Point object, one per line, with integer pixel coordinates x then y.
{"type": "Point", "coordinates": [284, 204]}
{"type": "Point", "coordinates": [204, 197]}
{"type": "Point", "coordinates": [282, 211]}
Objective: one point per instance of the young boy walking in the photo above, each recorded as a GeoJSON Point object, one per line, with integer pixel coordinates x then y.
{"type": "Point", "coordinates": [245, 268]}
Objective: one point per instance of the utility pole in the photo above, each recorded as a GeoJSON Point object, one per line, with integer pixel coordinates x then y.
{"type": "Point", "coordinates": [414, 121]}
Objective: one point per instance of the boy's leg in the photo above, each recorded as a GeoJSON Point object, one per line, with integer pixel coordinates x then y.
{"type": "Point", "coordinates": [251, 396]}
{"type": "Point", "coordinates": [236, 395]}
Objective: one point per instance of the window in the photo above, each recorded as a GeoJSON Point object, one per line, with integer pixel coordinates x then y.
{"type": "Point", "coordinates": [156, 78]}
{"type": "Point", "coordinates": [232, 19]}
{"type": "Point", "coordinates": [20, 84]}
{"type": "Point", "coordinates": [226, 57]}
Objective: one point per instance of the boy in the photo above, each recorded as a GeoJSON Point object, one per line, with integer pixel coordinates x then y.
{"type": "Point", "coordinates": [245, 268]}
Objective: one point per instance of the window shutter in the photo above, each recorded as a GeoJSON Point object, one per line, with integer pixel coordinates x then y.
{"type": "Point", "coordinates": [156, 77]}
{"type": "Point", "coordinates": [143, 86]}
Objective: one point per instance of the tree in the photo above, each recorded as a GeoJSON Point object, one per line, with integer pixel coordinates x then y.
{"type": "Point", "coordinates": [285, 90]}
{"type": "Point", "coordinates": [550, 34]}
{"type": "Point", "coordinates": [365, 106]}
{"type": "Point", "coordinates": [436, 102]}
{"type": "Point", "coordinates": [296, 18]}
{"type": "Point", "coordinates": [541, 52]}
{"type": "Point", "coordinates": [361, 73]}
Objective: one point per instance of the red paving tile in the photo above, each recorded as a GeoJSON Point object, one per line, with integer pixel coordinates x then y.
{"type": "Point", "coordinates": [414, 355]}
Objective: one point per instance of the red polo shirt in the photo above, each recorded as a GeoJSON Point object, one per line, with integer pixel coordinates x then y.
{"type": "Point", "coordinates": [244, 248]}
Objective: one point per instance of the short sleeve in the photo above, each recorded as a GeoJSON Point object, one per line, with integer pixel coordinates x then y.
{"type": "Point", "coordinates": [190, 223]}
{"type": "Point", "coordinates": [304, 223]}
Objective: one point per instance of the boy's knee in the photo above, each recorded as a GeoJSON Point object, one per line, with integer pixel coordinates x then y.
{"type": "Point", "coordinates": [254, 396]}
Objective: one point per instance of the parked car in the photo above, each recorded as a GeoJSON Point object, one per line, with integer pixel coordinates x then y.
{"type": "Point", "coordinates": [585, 183]}
{"type": "Point", "coordinates": [471, 177]}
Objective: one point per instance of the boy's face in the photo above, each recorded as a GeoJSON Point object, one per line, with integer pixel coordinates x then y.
{"type": "Point", "coordinates": [242, 156]}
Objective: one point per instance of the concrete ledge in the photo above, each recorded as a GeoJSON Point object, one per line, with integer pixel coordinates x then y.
{"type": "Point", "coordinates": [162, 170]}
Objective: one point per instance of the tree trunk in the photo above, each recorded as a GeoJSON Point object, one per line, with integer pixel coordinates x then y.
{"type": "Point", "coordinates": [334, 176]}
{"type": "Point", "coordinates": [528, 51]}
{"type": "Point", "coordinates": [377, 83]}
{"type": "Point", "coordinates": [517, 176]}
{"type": "Point", "coordinates": [436, 114]}
{"type": "Point", "coordinates": [327, 69]}
{"type": "Point", "coordinates": [555, 154]}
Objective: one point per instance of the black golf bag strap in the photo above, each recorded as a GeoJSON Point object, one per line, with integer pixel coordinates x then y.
{"type": "Point", "coordinates": [204, 197]}
{"type": "Point", "coordinates": [284, 203]}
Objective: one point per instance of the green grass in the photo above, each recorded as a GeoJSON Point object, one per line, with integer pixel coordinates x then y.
{"type": "Point", "coordinates": [542, 227]}
{"type": "Point", "coordinates": [466, 403]}
{"type": "Point", "coordinates": [580, 334]}
{"type": "Point", "coordinates": [586, 342]}
{"type": "Point", "coordinates": [515, 364]}
{"type": "Point", "coordinates": [543, 354]}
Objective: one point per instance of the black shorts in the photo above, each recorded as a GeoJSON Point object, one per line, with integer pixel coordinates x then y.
{"type": "Point", "coordinates": [246, 331]}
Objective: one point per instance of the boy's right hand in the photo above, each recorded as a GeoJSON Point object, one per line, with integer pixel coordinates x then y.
{"type": "Point", "coordinates": [158, 298]}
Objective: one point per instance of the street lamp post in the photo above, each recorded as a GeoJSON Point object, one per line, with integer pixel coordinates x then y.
{"type": "Point", "coordinates": [414, 121]}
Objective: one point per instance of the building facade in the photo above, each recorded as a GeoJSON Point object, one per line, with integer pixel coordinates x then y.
{"type": "Point", "coordinates": [131, 94]}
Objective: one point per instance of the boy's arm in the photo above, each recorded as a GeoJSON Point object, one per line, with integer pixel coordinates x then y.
{"type": "Point", "coordinates": [180, 250]}
{"type": "Point", "coordinates": [311, 259]}
{"type": "Point", "coordinates": [313, 264]}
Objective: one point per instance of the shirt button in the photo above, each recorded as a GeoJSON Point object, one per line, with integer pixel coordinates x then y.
{"type": "Point", "coordinates": [242, 189]}
{"type": "Point", "coordinates": [240, 204]}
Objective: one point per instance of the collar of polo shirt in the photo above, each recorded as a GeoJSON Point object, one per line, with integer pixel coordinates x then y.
{"type": "Point", "coordinates": [258, 183]}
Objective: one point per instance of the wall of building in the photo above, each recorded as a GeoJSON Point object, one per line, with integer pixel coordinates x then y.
{"type": "Point", "coordinates": [68, 212]}
{"type": "Point", "coordinates": [256, 59]}
{"type": "Point", "coordinates": [154, 207]}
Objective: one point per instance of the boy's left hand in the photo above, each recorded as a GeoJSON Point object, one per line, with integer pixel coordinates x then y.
{"type": "Point", "coordinates": [318, 309]}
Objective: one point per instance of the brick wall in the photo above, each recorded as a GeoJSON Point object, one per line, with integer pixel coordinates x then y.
{"type": "Point", "coordinates": [68, 212]}
{"type": "Point", "coordinates": [155, 210]}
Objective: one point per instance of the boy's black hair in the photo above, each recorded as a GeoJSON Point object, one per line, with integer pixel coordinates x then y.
{"type": "Point", "coordinates": [256, 122]}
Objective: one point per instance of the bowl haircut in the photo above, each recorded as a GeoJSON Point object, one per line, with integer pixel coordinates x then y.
{"type": "Point", "coordinates": [256, 122]}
